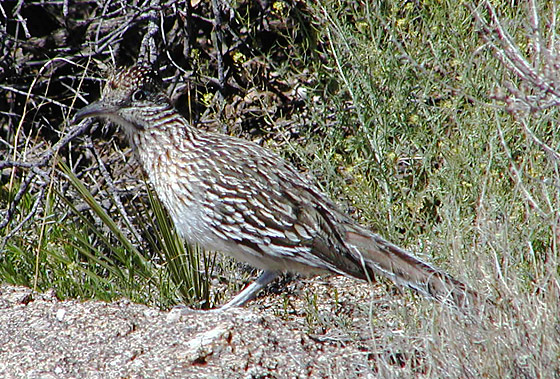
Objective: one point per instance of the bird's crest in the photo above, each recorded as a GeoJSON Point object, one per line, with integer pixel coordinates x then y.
{"type": "Point", "coordinates": [130, 78]}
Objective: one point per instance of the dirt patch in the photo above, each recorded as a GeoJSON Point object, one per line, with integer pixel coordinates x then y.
{"type": "Point", "coordinates": [43, 337]}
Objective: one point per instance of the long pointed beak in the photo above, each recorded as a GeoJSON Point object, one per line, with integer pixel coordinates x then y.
{"type": "Point", "coordinates": [99, 108]}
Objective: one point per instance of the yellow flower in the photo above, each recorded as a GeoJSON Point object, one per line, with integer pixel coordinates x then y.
{"type": "Point", "coordinates": [207, 98]}
{"type": "Point", "coordinates": [279, 7]}
{"type": "Point", "coordinates": [362, 27]}
{"type": "Point", "coordinates": [239, 58]}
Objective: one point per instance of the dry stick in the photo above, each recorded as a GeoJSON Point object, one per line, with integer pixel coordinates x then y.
{"type": "Point", "coordinates": [118, 32]}
{"type": "Point", "coordinates": [28, 217]}
{"type": "Point", "coordinates": [17, 198]}
{"type": "Point", "coordinates": [512, 58]}
{"type": "Point", "coordinates": [535, 30]}
{"type": "Point", "coordinates": [112, 190]}
{"type": "Point", "coordinates": [553, 153]}
{"type": "Point", "coordinates": [187, 46]}
{"type": "Point", "coordinates": [148, 48]}
{"type": "Point", "coordinates": [35, 171]}
{"type": "Point", "coordinates": [516, 61]}
{"type": "Point", "coordinates": [510, 54]}
{"type": "Point", "coordinates": [517, 174]}
{"type": "Point", "coordinates": [217, 40]}
{"type": "Point", "coordinates": [552, 28]}
{"type": "Point", "coordinates": [9, 163]}
{"type": "Point", "coordinates": [43, 98]}
{"type": "Point", "coordinates": [45, 158]}
{"type": "Point", "coordinates": [48, 155]}
{"type": "Point", "coordinates": [21, 20]}
{"type": "Point", "coordinates": [188, 29]}
{"type": "Point", "coordinates": [18, 130]}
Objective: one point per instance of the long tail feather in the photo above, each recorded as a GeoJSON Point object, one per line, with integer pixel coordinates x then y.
{"type": "Point", "coordinates": [384, 258]}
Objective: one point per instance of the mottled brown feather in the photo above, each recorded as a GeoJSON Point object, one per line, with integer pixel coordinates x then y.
{"type": "Point", "coordinates": [234, 196]}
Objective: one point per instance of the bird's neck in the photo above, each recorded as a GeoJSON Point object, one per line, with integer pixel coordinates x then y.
{"type": "Point", "coordinates": [165, 135]}
{"type": "Point", "coordinates": [162, 128]}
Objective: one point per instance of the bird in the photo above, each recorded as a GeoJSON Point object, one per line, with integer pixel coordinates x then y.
{"type": "Point", "coordinates": [234, 196]}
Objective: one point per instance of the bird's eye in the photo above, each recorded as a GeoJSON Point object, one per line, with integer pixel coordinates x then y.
{"type": "Point", "coordinates": [138, 95]}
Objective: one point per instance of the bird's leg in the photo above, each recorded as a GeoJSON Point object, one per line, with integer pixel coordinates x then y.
{"type": "Point", "coordinates": [242, 297]}
{"type": "Point", "coordinates": [251, 290]}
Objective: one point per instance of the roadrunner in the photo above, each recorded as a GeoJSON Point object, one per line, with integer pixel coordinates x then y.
{"type": "Point", "coordinates": [231, 195]}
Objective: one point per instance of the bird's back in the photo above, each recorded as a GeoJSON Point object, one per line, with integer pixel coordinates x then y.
{"type": "Point", "coordinates": [235, 196]}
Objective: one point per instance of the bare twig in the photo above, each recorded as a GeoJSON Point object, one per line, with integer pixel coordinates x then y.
{"type": "Point", "coordinates": [148, 50]}
{"type": "Point", "coordinates": [518, 175]}
{"type": "Point", "coordinates": [113, 191]}
{"type": "Point", "coordinates": [21, 20]}
{"type": "Point", "coordinates": [43, 98]}
{"type": "Point", "coordinates": [538, 86]}
{"type": "Point", "coordinates": [553, 153]}
{"type": "Point", "coordinates": [28, 217]}
{"type": "Point", "coordinates": [217, 40]}
{"type": "Point", "coordinates": [34, 167]}
{"type": "Point", "coordinates": [538, 72]}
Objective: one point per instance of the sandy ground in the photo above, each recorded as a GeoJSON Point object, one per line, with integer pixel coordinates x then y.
{"type": "Point", "coordinates": [274, 337]}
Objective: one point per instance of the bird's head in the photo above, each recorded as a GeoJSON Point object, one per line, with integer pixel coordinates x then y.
{"type": "Point", "coordinates": [130, 98]}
